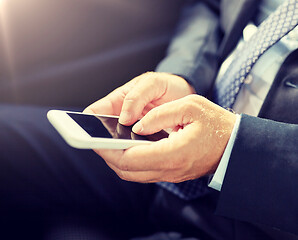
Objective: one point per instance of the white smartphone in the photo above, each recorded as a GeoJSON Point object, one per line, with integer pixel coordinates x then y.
{"type": "Point", "coordinates": [87, 131]}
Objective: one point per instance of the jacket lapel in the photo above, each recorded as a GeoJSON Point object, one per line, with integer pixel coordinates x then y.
{"type": "Point", "coordinates": [235, 14]}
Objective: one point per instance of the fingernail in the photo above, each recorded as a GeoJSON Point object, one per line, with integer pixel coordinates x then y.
{"type": "Point", "coordinates": [125, 117]}
{"type": "Point", "coordinates": [137, 128]}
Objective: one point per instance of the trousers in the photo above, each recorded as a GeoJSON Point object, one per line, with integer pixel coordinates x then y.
{"type": "Point", "coordinates": [49, 190]}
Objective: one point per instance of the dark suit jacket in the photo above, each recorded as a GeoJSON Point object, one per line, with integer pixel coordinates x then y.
{"type": "Point", "coordinates": [261, 183]}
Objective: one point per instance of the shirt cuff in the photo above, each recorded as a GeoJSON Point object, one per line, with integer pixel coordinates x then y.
{"type": "Point", "coordinates": [219, 175]}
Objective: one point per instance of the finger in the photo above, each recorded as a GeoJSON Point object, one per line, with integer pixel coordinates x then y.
{"type": "Point", "coordinates": [139, 176]}
{"type": "Point", "coordinates": [117, 159]}
{"type": "Point", "coordinates": [110, 155]}
{"type": "Point", "coordinates": [138, 158]}
{"type": "Point", "coordinates": [113, 160]}
{"type": "Point", "coordinates": [147, 89]}
{"type": "Point", "coordinates": [148, 163]}
{"type": "Point", "coordinates": [112, 103]}
{"type": "Point", "coordinates": [147, 108]}
{"type": "Point", "coordinates": [164, 155]}
{"type": "Point", "coordinates": [169, 115]}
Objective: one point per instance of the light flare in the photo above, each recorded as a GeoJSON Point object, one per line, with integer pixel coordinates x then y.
{"type": "Point", "coordinates": [7, 46]}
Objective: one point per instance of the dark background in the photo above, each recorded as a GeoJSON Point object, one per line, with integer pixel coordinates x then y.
{"type": "Point", "coordinates": [73, 52]}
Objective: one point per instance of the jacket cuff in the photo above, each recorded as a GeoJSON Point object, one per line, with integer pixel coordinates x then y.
{"type": "Point", "coordinates": [260, 185]}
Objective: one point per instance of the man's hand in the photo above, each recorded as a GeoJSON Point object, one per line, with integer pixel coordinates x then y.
{"type": "Point", "coordinates": [137, 97]}
{"type": "Point", "coordinates": [201, 132]}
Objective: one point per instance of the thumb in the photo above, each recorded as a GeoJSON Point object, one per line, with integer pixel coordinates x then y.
{"type": "Point", "coordinates": [169, 115]}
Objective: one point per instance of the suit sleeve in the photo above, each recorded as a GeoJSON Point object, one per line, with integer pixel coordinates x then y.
{"type": "Point", "coordinates": [192, 53]}
{"type": "Point", "coordinates": [261, 182]}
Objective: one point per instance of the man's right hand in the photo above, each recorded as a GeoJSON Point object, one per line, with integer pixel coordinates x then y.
{"type": "Point", "coordinates": [137, 97]}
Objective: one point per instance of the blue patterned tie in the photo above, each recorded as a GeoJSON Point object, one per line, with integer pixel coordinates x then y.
{"type": "Point", "coordinates": [277, 25]}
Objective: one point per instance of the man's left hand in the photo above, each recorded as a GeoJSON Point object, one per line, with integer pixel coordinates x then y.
{"type": "Point", "coordinates": [201, 131]}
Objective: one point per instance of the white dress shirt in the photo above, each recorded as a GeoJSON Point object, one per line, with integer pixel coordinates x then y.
{"type": "Point", "coordinates": [257, 84]}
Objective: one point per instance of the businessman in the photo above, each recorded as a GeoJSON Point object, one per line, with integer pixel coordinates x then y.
{"type": "Point", "coordinates": [251, 161]}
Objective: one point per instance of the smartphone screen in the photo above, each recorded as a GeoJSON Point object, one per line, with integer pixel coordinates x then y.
{"type": "Point", "coordinates": [109, 127]}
